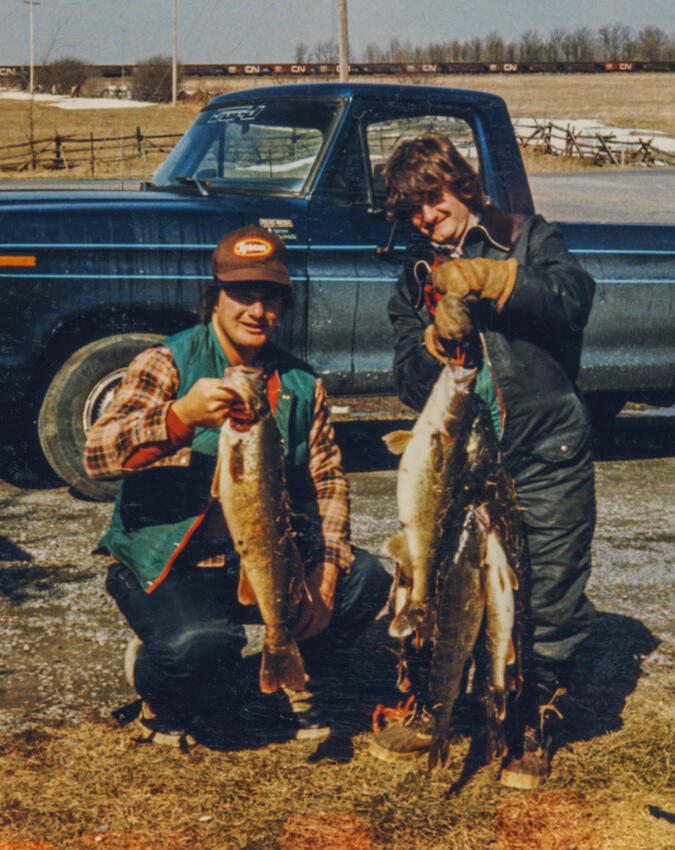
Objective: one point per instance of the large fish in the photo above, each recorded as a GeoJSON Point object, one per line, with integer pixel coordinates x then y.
{"type": "Point", "coordinates": [430, 455]}
{"type": "Point", "coordinates": [460, 605]}
{"type": "Point", "coordinates": [479, 594]}
{"type": "Point", "coordinates": [250, 484]}
{"type": "Point", "coordinates": [460, 553]}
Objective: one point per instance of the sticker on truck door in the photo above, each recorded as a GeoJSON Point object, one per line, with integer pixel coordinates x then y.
{"type": "Point", "coordinates": [283, 227]}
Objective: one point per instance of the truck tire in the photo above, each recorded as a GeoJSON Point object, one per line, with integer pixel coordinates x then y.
{"type": "Point", "coordinates": [76, 397]}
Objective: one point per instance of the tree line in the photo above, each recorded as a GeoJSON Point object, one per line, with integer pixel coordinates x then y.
{"type": "Point", "coordinates": [611, 43]}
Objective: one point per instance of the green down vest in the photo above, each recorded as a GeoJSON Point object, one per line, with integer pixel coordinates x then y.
{"type": "Point", "coordinates": [157, 510]}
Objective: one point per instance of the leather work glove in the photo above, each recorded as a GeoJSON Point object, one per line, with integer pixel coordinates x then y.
{"type": "Point", "coordinates": [490, 279]}
{"type": "Point", "coordinates": [452, 324]}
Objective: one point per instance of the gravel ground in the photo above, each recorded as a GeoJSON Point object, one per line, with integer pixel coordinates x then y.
{"type": "Point", "coordinates": [63, 638]}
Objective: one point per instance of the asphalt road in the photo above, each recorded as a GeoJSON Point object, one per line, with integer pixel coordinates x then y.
{"type": "Point", "coordinates": [644, 195]}
{"type": "Point", "coordinates": [63, 639]}
{"type": "Point", "coordinates": [630, 195]}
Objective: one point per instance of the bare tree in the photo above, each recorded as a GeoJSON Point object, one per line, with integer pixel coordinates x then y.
{"type": "Point", "coordinates": [531, 47]}
{"type": "Point", "coordinates": [494, 47]}
{"type": "Point", "coordinates": [615, 40]}
{"type": "Point", "coordinates": [652, 43]}
{"type": "Point", "coordinates": [579, 45]}
{"type": "Point", "coordinates": [326, 51]}
{"type": "Point", "coordinates": [553, 49]}
{"type": "Point", "coordinates": [301, 52]}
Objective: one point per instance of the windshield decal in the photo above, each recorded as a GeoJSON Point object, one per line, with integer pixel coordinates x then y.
{"type": "Point", "coordinates": [236, 113]}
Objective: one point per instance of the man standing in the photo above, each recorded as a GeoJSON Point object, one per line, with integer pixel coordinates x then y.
{"type": "Point", "coordinates": [175, 573]}
{"type": "Point", "coordinates": [508, 289]}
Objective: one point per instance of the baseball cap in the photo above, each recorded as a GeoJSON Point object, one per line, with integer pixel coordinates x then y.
{"type": "Point", "coordinates": [250, 254]}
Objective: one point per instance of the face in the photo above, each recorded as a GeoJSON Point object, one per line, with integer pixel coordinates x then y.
{"type": "Point", "coordinates": [442, 217]}
{"type": "Point", "coordinates": [244, 319]}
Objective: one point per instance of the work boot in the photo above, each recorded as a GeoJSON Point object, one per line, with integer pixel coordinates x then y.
{"type": "Point", "coordinates": [529, 765]}
{"type": "Point", "coordinates": [154, 730]}
{"type": "Point", "coordinates": [149, 727]}
{"type": "Point", "coordinates": [403, 740]}
{"type": "Point", "coordinates": [309, 721]}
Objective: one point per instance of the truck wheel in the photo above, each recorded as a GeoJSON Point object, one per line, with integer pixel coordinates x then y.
{"type": "Point", "coordinates": [76, 397]}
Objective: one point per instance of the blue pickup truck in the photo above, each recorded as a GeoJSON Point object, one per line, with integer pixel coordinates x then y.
{"type": "Point", "coordinates": [90, 278]}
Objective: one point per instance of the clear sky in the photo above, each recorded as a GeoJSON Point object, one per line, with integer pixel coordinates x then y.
{"type": "Point", "coordinates": [126, 31]}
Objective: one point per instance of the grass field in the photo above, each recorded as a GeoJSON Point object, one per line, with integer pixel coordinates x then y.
{"type": "Point", "coordinates": [625, 100]}
{"type": "Point", "coordinates": [93, 786]}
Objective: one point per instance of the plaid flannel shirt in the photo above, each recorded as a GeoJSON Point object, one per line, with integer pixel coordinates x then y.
{"type": "Point", "coordinates": [137, 416]}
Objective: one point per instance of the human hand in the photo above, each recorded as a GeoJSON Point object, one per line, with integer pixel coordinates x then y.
{"type": "Point", "coordinates": [482, 277]}
{"type": "Point", "coordinates": [317, 603]}
{"type": "Point", "coordinates": [206, 404]}
{"type": "Point", "coordinates": [452, 324]}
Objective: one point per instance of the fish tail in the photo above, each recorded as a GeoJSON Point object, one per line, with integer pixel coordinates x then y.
{"type": "Point", "coordinates": [495, 710]}
{"type": "Point", "coordinates": [411, 617]}
{"type": "Point", "coordinates": [438, 753]}
{"type": "Point", "coordinates": [282, 665]}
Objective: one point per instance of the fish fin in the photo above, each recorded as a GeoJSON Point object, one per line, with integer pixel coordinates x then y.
{"type": "Point", "coordinates": [396, 441]}
{"type": "Point", "coordinates": [397, 548]}
{"type": "Point", "coordinates": [282, 666]}
{"type": "Point", "coordinates": [245, 594]}
{"type": "Point", "coordinates": [513, 578]}
{"type": "Point", "coordinates": [438, 753]}
{"type": "Point", "coordinates": [216, 478]}
{"type": "Point", "coordinates": [411, 617]}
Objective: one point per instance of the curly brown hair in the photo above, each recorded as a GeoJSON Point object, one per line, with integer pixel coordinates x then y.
{"type": "Point", "coordinates": [420, 167]}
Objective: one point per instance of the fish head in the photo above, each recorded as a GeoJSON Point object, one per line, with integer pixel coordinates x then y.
{"type": "Point", "coordinates": [249, 384]}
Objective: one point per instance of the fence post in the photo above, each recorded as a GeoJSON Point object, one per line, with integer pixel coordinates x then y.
{"type": "Point", "coordinates": [92, 161]}
{"type": "Point", "coordinates": [139, 142]}
{"type": "Point", "coordinates": [58, 159]}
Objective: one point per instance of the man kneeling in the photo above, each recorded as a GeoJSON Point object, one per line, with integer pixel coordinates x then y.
{"type": "Point", "coordinates": [175, 574]}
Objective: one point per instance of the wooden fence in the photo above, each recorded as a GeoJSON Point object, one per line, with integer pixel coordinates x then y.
{"type": "Point", "coordinates": [86, 155]}
{"type": "Point", "coordinates": [60, 152]}
{"type": "Point", "coordinates": [595, 148]}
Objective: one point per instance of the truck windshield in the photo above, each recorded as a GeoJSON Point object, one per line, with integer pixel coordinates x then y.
{"type": "Point", "coordinates": [271, 147]}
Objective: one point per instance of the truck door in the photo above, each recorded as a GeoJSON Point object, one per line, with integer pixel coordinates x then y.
{"type": "Point", "coordinates": [354, 259]}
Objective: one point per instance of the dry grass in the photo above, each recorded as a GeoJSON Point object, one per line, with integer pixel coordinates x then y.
{"type": "Point", "coordinates": [628, 100]}
{"type": "Point", "coordinates": [93, 786]}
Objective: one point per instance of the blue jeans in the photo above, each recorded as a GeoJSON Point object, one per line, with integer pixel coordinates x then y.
{"type": "Point", "coordinates": [191, 627]}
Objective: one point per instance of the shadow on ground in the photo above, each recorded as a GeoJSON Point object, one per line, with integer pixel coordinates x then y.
{"type": "Point", "coordinates": [347, 689]}
{"type": "Point", "coordinates": [606, 671]}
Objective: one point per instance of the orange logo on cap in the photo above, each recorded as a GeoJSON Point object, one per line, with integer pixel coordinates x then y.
{"type": "Point", "coordinates": [252, 246]}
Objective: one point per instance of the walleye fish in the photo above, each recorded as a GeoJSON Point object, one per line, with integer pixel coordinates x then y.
{"type": "Point", "coordinates": [460, 610]}
{"type": "Point", "coordinates": [427, 472]}
{"type": "Point", "coordinates": [249, 482]}
{"type": "Point", "coordinates": [479, 599]}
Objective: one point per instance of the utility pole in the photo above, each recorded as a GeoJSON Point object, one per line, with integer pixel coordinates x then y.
{"type": "Point", "coordinates": [31, 14]}
{"type": "Point", "coordinates": [344, 40]}
{"type": "Point", "coordinates": [174, 63]}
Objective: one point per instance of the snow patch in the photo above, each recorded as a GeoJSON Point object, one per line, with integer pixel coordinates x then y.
{"type": "Point", "coordinates": [591, 127]}
{"type": "Point", "coordinates": [65, 102]}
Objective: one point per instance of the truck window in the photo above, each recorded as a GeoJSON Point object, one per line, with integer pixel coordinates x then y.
{"type": "Point", "coordinates": [268, 147]}
{"type": "Point", "coordinates": [361, 158]}
{"type": "Point", "coordinates": [384, 136]}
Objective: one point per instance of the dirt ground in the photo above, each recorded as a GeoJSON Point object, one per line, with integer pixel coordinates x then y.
{"type": "Point", "coordinates": [71, 779]}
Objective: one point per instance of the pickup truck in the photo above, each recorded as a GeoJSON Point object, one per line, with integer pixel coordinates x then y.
{"type": "Point", "coordinates": [91, 277]}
